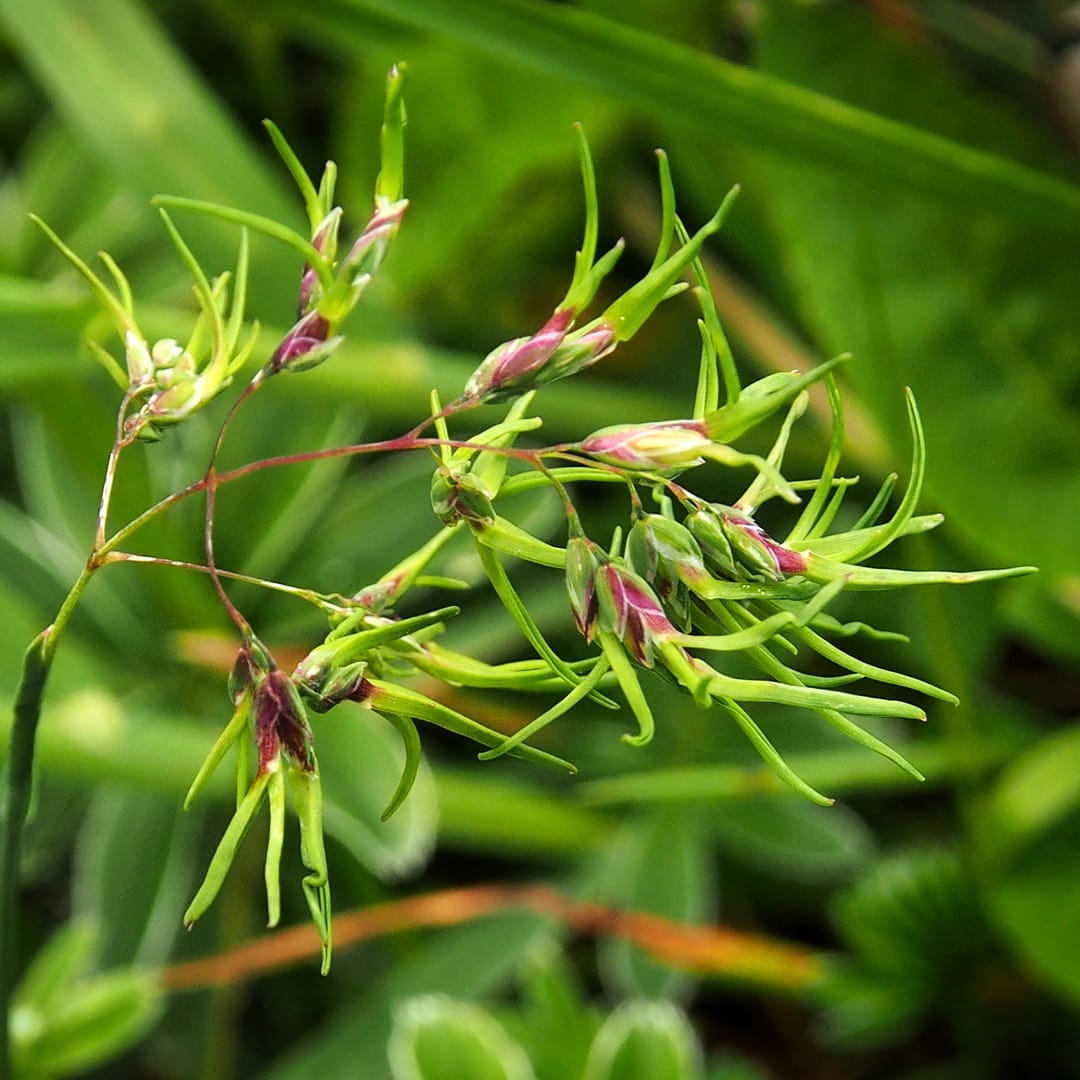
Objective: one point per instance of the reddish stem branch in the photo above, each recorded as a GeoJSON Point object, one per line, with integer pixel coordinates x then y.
{"type": "Point", "coordinates": [210, 480]}
{"type": "Point", "coordinates": [120, 443]}
{"type": "Point", "coordinates": [402, 442]}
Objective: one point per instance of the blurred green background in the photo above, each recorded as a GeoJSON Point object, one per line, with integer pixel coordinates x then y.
{"type": "Point", "coordinates": [908, 193]}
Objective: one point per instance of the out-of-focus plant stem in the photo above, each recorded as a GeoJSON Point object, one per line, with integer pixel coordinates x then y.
{"type": "Point", "coordinates": [719, 952]}
{"type": "Point", "coordinates": [15, 791]}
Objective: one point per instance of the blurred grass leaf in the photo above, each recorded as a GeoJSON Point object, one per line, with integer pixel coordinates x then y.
{"type": "Point", "coordinates": [135, 866]}
{"type": "Point", "coordinates": [360, 761]}
{"type": "Point", "coordinates": [92, 735]}
{"type": "Point", "coordinates": [974, 311]}
{"type": "Point", "coordinates": [1026, 831]}
{"type": "Point", "coordinates": [662, 865]}
{"type": "Point", "coordinates": [131, 95]}
{"type": "Point", "coordinates": [556, 1022]}
{"type": "Point", "coordinates": [64, 1022]}
{"type": "Point", "coordinates": [674, 81]}
{"type": "Point", "coordinates": [62, 960]}
{"type": "Point", "coordinates": [792, 840]}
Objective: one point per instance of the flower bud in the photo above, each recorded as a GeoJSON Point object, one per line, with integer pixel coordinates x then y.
{"type": "Point", "coordinates": [370, 247]}
{"type": "Point", "coordinates": [335, 685]}
{"type": "Point", "coordinates": [510, 366]}
{"type": "Point", "coordinates": [705, 526]}
{"type": "Point", "coordinates": [140, 364]}
{"type": "Point", "coordinates": [173, 364]}
{"type": "Point", "coordinates": [379, 597]}
{"type": "Point", "coordinates": [756, 551]}
{"type": "Point", "coordinates": [736, 546]}
{"type": "Point", "coordinates": [579, 351]}
{"type": "Point", "coordinates": [629, 609]}
{"type": "Point", "coordinates": [280, 722]}
{"type": "Point", "coordinates": [460, 497]}
{"type": "Point", "coordinates": [173, 404]}
{"type": "Point", "coordinates": [665, 553]}
{"type": "Point", "coordinates": [747, 545]}
{"type": "Point", "coordinates": [659, 446]}
{"type": "Point", "coordinates": [325, 243]}
{"type": "Point", "coordinates": [251, 664]}
{"type": "Point", "coordinates": [313, 670]}
{"type": "Point", "coordinates": [305, 346]}
{"type": "Point", "coordinates": [180, 390]}
{"type": "Point", "coordinates": [526, 363]}
{"type": "Point", "coordinates": [583, 560]}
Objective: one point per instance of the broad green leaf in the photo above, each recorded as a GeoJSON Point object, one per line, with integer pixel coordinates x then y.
{"type": "Point", "coordinates": [360, 761]}
{"type": "Point", "coordinates": [135, 867]}
{"type": "Point", "coordinates": [439, 1038]}
{"type": "Point", "coordinates": [1028, 863]}
{"type": "Point", "coordinates": [99, 1018]}
{"type": "Point", "coordinates": [467, 962]}
{"type": "Point", "coordinates": [555, 1023]}
{"type": "Point", "coordinates": [643, 1040]}
{"type": "Point", "coordinates": [663, 865]}
{"type": "Point", "coordinates": [793, 840]}
{"type": "Point", "coordinates": [58, 964]}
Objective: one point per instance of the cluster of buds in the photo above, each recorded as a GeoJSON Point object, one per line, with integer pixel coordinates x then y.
{"type": "Point", "coordinates": [329, 288]}
{"type": "Point", "coordinates": [553, 352]}
{"type": "Point", "coordinates": [321, 309]}
{"type": "Point", "coordinates": [739, 548]}
{"type": "Point", "coordinates": [714, 581]}
{"type": "Point", "coordinates": [164, 383]}
{"type": "Point", "coordinates": [270, 707]}
{"type": "Point", "coordinates": [717, 581]}
{"type": "Point", "coordinates": [269, 714]}
{"type": "Point", "coordinates": [607, 597]}
{"type": "Point", "coordinates": [720, 583]}
{"type": "Point", "coordinates": [367, 649]}
{"type": "Point", "coordinates": [556, 350]}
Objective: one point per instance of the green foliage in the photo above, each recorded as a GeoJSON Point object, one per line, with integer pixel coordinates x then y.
{"type": "Point", "coordinates": [440, 1037]}
{"type": "Point", "coordinates": [1028, 865]}
{"type": "Point", "coordinates": [919, 940]}
{"type": "Point", "coordinates": [64, 1020]}
{"type": "Point", "coordinates": [639, 1040]}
